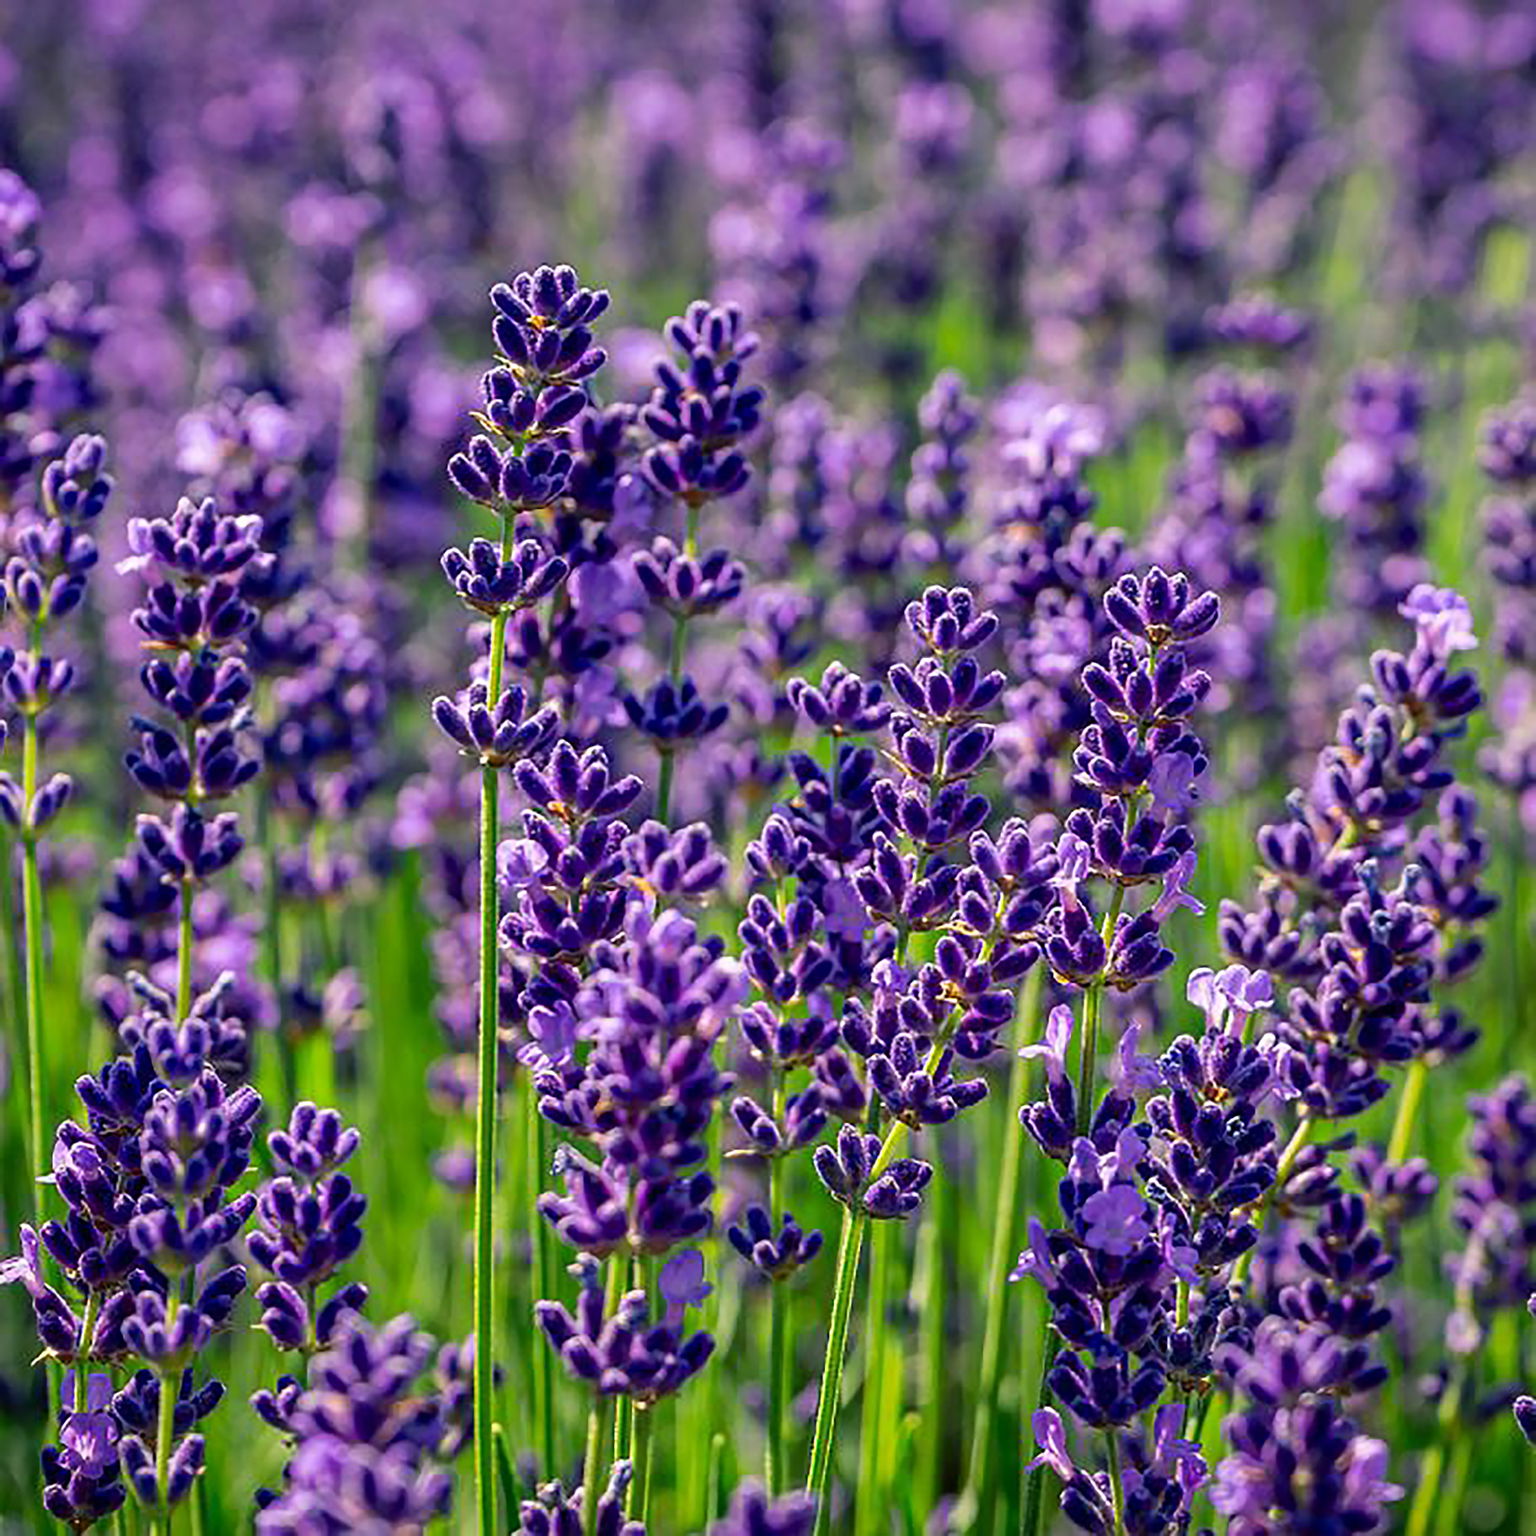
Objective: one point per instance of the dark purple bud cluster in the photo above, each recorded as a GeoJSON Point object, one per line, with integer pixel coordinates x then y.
{"type": "Point", "coordinates": [684, 585]}
{"type": "Point", "coordinates": [307, 1226]}
{"type": "Point", "coordinates": [855, 1176]}
{"type": "Point", "coordinates": [625, 1353]}
{"type": "Point", "coordinates": [368, 1443]}
{"type": "Point", "coordinates": [44, 581]}
{"type": "Point", "coordinates": [775, 1253]}
{"type": "Point", "coordinates": [1240, 414]}
{"type": "Point", "coordinates": [673, 714]}
{"type": "Point", "coordinates": [1157, 1479]}
{"type": "Point", "coordinates": [1492, 1266]}
{"type": "Point", "coordinates": [938, 492]}
{"type": "Point", "coordinates": [1375, 488]}
{"type": "Point", "coordinates": [487, 583]}
{"type": "Point", "coordinates": [546, 353]}
{"type": "Point", "coordinates": [1295, 1453]}
{"type": "Point", "coordinates": [700, 410]}
{"type": "Point", "coordinates": [194, 620]}
{"type": "Point", "coordinates": [654, 1007]}
{"type": "Point", "coordinates": [497, 737]}
{"type": "Point", "coordinates": [1362, 955]}
{"type": "Point", "coordinates": [754, 1513]}
{"type": "Point", "coordinates": [555, 1512]}
{"type": "Point", "coordinates": [568, 890]}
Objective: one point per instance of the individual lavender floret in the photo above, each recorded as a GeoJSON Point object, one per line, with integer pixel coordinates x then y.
{"type": "Point", "coordinates": [82, 1484]}
{"type": "Point", "coordinates": [776, 1255]}
{"type": "Point", "coordinates": [1507, 454]}
{"type": "Point", "coordinates": [646, 1090]}
{"type": "Point", "coordinates": [308, 1225]}
{"type": "Point", "coordinates": [1158, 1481]}
{"type": "Point", "coordinates": [624, 1353]}
{"type": "Point", "coordinates": [556, 1512]}
{"type": "Point", "coordinates": [852, 1174]}
{"type": "Point", "coordinates": [1495, 1210]}
{"type": "Point", "coordinates": [754, 1513]}
{"type": "Point", "coordinates": [700, 410]}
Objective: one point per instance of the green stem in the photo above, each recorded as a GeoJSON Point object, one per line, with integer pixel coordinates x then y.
{"type": "Point", "coordinates": [485, 1159]}
{"type": "Point", "coordinates": [876, 1415]}
{"type": "Point", "coordinates": [977, 1495]}
{"type": "Point", "coordinates": [485, 1102]}
{"type": "Point", "coordinates": [1449, 1521]}
{"type": "Point", "coordinates": [590, 1472]}
{"type": "Point", "coordinates": [1428, 1506]}
{"type": "Point", "coordinates": [714, 1475]}
{"type": "Point", "coordinates": [931, 1422]}
{"type": "Point", "coordinates": [664, 787]}
{"type": "Point", "coordinates": [165, 1426]}
{"type": "Point", "coordinates": [850, 1244]}
{"type": "Point", "coordinates": [778, 1385]}
{"type": "Point", "coordinates": [32, 938]}
{"type": "Point", "coordinates": [184, 954]}
{"type": "Point", "coordinates": [82, 1354]}
{"type": "Point", "coordinates": [623, 1406]}
{"type": "Point", "coordinates": [644, 1447]}
{"type": "Point", "coordinates": [543, 1270]}
{"type": "Point", "coordinates": [1116, 1492]}
{"type": "Point", "coordinates": [1408, 1111]}
{"type": "Point", "coordinates": [778, 1307]}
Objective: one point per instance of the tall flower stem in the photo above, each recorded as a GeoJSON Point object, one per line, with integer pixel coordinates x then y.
{"type": "Point", "coordinates": [977, 1495]}
{"type": "Point", "coordinates": [32, 921]}
{"type": "Point", "coordinates": [485, 1101]}
{"type": "Point", "coordinates": [879, 1369]}
{"type": "Point", "coordinates": [849, 1246]}
{"type": "Point", "coordinates": [184, 939]}
{"type": "Point", "coordinates": [165, 1426]}
{"type": "Point", "coordinates": [778, 1333]}
{"type": "Point", "coordinates": [643, 1447]}
{"type": "Point", "coordinates": [1408, 1111]}
{"type": "Point", "coordinates": [543, 1272]}
{"type": "Point", "coordinates": [590, 1464]}
{"type": "Point", "coordinates": [677, 653]}
{"type": "Point", "coordinates": [1428, 1502]}
{"type": "Point", "coordinates": [1116, 1490]}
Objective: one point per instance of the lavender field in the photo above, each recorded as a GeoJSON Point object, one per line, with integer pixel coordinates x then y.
{"type": "Point", "coordinates": [768, 767]}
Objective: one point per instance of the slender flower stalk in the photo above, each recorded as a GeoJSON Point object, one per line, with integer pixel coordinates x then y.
{"type": "Point", "coordinates": [533, 394]}
{"type": "Point", "coordinates": [977, 1494]}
